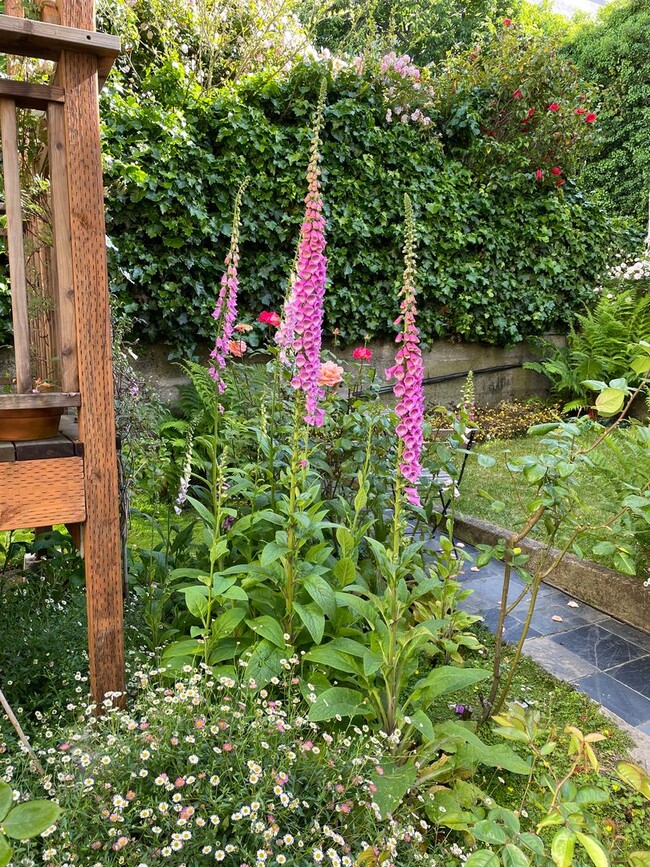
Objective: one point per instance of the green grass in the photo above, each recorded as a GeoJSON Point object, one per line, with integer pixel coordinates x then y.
{"type": "Point", "coordinates": [597, 500]}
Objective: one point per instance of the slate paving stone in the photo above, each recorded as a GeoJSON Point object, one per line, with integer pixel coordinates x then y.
{"type": "Point", "coordinates": [599, 646]}
{"type": "Point", "coordinates": [572, 618]}
{"type": "Point", "coordinates": [512, 627]}
{"type": "Point", "coordinates": [623, 701]}
{"type": "Point", "coordinates": [629, 633]}
{"type": "Point", "coordinates": [560, 662]}
{"type": "Point", "coordinates": [635, 674]}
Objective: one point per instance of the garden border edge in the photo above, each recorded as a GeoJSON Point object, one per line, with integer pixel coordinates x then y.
{"type": "Point", "coordinates": [621, 596]}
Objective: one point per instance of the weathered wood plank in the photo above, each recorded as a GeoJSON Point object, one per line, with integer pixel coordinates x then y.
{"type": "Point", "coordinates": [30, 38]}
{"type": "Point", "coordinates": [62, 248]}
{"type": "Point", "coordinates": [70, 429]}
{"type": "Point", "coordinates": [15, 244]}
{"type": "Point", "coordinates": [42, 398]}
{"type": "Point", "coordinates": [41, 493]}
{"type": "Point", "coordinates": [53, 447]}
{"type": "Point", "coordinates": [28, 95]}
{"type": "Point", "coordinates": [78, 75]}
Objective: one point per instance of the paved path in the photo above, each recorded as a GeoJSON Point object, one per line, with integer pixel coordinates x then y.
{"type": "Point", "coordinates": [600, 656]}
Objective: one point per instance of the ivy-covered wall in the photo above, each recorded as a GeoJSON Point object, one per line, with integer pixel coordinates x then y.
{"type": "Point", "coordinates": [500, 257]}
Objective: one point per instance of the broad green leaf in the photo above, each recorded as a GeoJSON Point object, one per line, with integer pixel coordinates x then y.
{"type": "Point", "coordinates": [196, 601]}
{"type": "Point", "coordinates": [594, 849]}
{"type": "Point", "coordinates": [594, 384]}
{"type": "Point", "coordinates": [486, 461]}
{"type": "Point", "coordinates": [5, 851]}
{"type": "Point", "coordinates": [604, 549]}
{"type": "Point", "coordinates": [186, 647]}
{"type": "Point", "coordinates": [562, 847]}
{"type": "Point", "coordinates": [488, 831]}
{"type": "Point", "coordinates": [271, 552]}
{"type": "Point", "coordinates": [533, 842]}
{"type": "Point", "coordinates": [610, 401]}
{"type": "Point", "coordinates": [446, 679]}
{"type": "Point", "coordinates": [639, 859]}
{"type": "Point", "coordinates": [482, 858]}
{"type": "Point", "coordinates": [339, 701]}
{"type": "Point", "coordinates": [264, 663]}
{"type": "Point", "coordinates": [313, 618]}
{"type": "Point", "coordinates": [31, 819]}
{"type": "Point", "coordinates": [641, 364]}
{"type": "Point", "coordinates": [6, 799]}
{"type": "Point", "coordinates": [392, 784]}
{"type": "Point", "coordinates": [345, 571]}
{"type": "Point", "coordinates": [226, 623]}
{"type": "Point", "coordinates": [512, 856]}
{"type": "Point", "coordinates": [591, 795]}
{"type": "Point", "coordinates": [635, 776]}
{"type": "Point", "coordinates": [624, 563]}
{"type": "Point", "coordinates": [346, 541]}
{"type": "Point", "coordinates": [322, 594]}
{"type": "Point", "coordinates": [423, 724]}
{"type": "Point", "coordinates": [332, 657]}
{"type": "Point", "coordinates": [268, 628]}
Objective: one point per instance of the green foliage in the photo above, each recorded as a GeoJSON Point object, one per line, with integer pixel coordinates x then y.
{"type": "Point", "coordinates": [424, 29]}
{"type": "Point", "coordinates": [23, 821]}
{"type": "Point", "coordinates": [613, 52]}
{"type": "Point", "coordinates": [500, 258]}
{"type": "Point", "coordinates": [601, 346]}
{"type": "Point", "coordinates": [514, 100]}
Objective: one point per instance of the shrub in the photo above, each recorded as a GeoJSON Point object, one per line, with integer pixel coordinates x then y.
{"type": "Point", "coordinates": [501, 259]}
{"type": "Point", "coordinates": [613, 52]}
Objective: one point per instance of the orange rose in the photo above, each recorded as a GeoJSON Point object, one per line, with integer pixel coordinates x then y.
{"type": "Point", "coordinates": [330, 374]}
{"type": "Point", "coordinates": [237, 348]}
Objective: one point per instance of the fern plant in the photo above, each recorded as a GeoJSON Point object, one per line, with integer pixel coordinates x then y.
{"type": "Point", "coordinates": [599, 347]}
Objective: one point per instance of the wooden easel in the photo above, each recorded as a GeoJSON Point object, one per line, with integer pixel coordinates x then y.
{"type": "Point", "coordinates": [76, 486]}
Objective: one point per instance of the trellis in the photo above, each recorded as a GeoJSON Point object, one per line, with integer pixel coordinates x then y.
{"type": "Point", "coordinates": [71, 479]}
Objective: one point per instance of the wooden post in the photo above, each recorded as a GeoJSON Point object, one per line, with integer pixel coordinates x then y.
{"type": "Point", "coordinates": [101, 532]}
{"type": "Point", "coordinates": [16, 245]}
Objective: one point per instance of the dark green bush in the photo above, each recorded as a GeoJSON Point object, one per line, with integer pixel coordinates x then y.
{"type": "Point", "coordinates": [614, 52]}
{"type": "Point", "coordinates": [500, 258]}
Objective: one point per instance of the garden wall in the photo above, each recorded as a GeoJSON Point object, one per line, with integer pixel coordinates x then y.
{"type": "Point", "coordinates": [442, 360]}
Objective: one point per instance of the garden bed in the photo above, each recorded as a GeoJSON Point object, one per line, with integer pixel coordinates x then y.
{"type": "Point", "coordinates": [621, 596]}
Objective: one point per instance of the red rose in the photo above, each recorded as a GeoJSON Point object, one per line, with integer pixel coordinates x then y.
{"type": "Point", "coordinates": [507, 22]}
{"type": "Point", "coordinates": [531, 112]}
{"type": "Point", "coordinates": [556, 170]}
{"type": "Point", "coordinates": [554, 106]}
{"type": "Point", "coordinates": [591, 117]}
{"type": "Point", "coordinates": [362, 353]}
{"type": "Point", "coordinates": [268, 317]}
{"type": "Point", "coordinates": [539, 174]}
{"type": "Point", "coordinates": [517, 94]}
{"type": "Point", "coordinates": [559, 183]}
{"type": "Point", "coordinates": [580, 111]}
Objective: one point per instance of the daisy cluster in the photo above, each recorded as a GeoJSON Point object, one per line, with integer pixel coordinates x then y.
{"type": "Point", "coordinates": [209, 770]}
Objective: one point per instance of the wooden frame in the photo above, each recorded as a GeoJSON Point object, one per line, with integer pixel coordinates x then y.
{"type": "Point", "coordinates": [79, 488]}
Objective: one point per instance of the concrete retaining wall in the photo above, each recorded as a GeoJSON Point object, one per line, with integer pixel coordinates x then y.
{"type": "Point", "coordinates": [621, 596]}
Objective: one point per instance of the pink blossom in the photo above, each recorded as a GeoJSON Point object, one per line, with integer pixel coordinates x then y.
{"type": "Point", "coordinates": [301, 330]}
{"type": "Point", "coordinates": [408, 371]}
{"type": "Point", "coordinates": [362, 353]}
{"type": "Point", "coordinates": [225, 311]}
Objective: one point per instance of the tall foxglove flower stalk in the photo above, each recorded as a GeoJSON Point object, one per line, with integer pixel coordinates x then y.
{"type": "Point", "coordinates": [408, 369]}
{"type": "Point", "coordinates": [225, 312]}
{"type": "Point", "coordinates": [300, 333]}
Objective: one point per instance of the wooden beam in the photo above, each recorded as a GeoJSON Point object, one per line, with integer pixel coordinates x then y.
{"type": "Point", "coordinates": [78, 75]}
{"type": "Point", "coordinates": [29, 38]}
{"type": "Point", "coordinates": [23, 484]}
{"type": "Point", "coordinates": [41, 399]}
{"type": "Point", "coordinates": [62, 249]}
{"type": "Point", "coordinates": [17, 278]}
{"type": "Point", "coordinates": [27, 95]}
